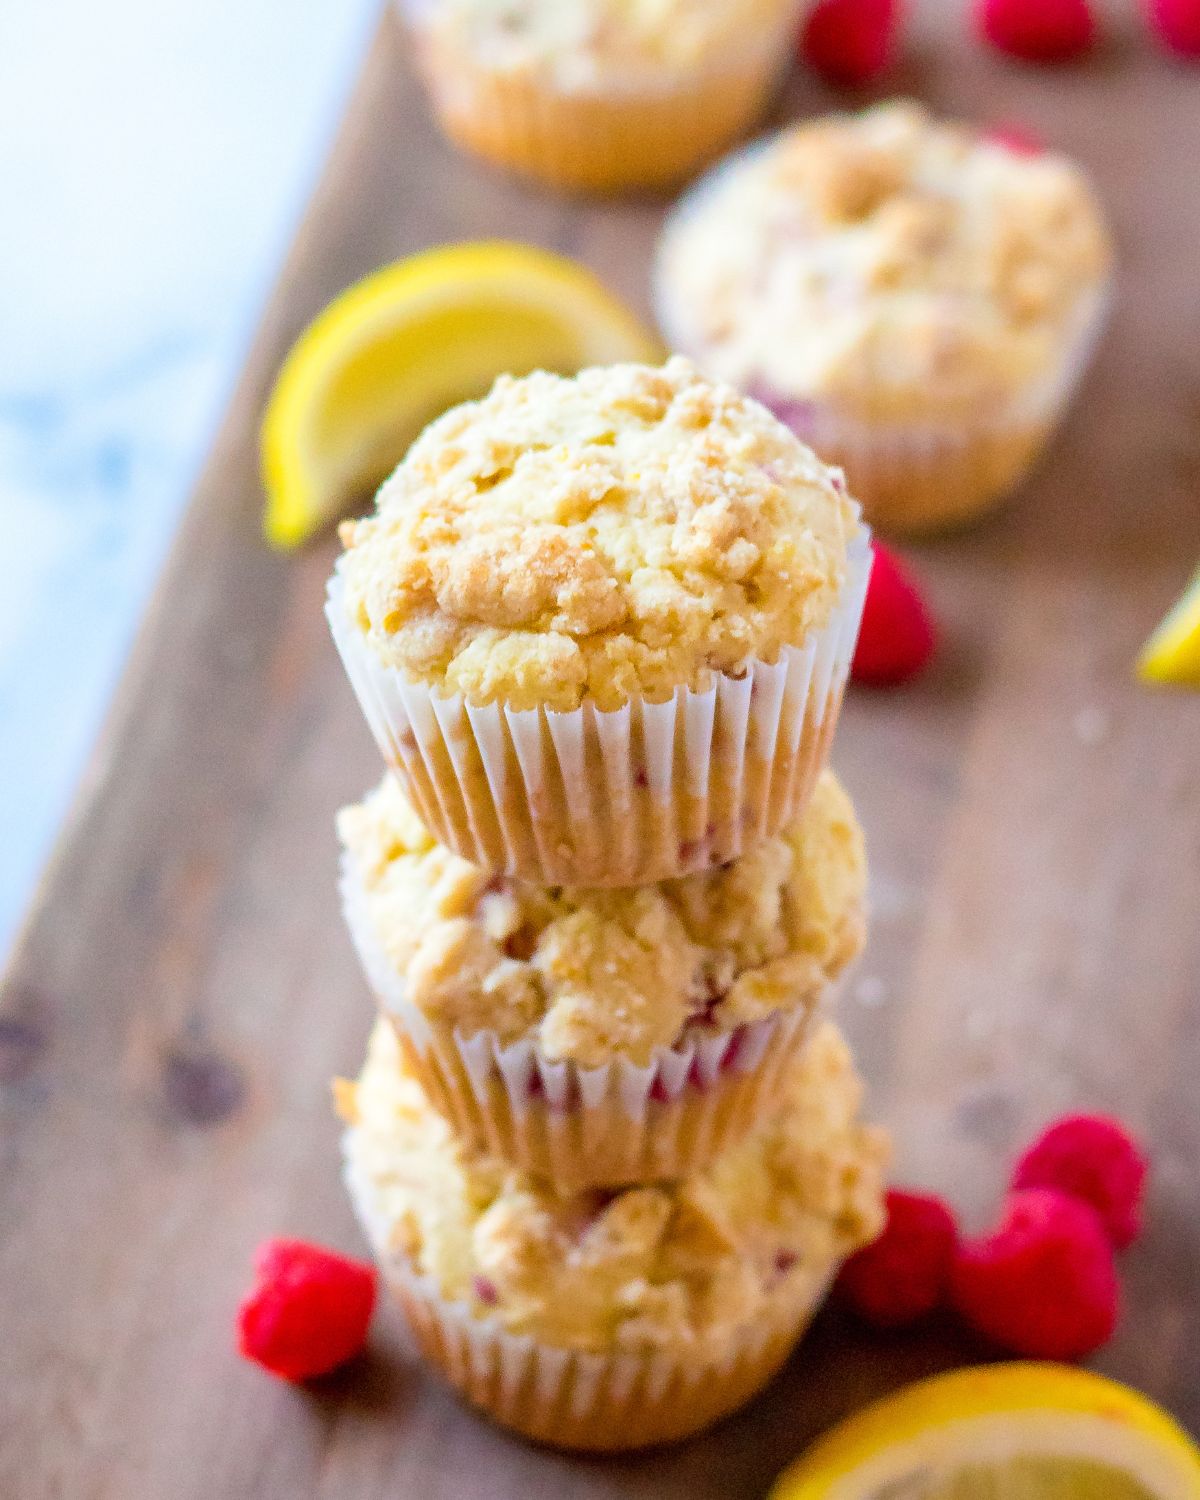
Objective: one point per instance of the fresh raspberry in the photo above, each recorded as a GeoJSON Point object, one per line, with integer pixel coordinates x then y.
{"type": "Point", "coordinates": [1176, 23]}
{"type": "Point", "coordinates": [904, 1275]}
{"type": "Point", "coordinates": [850, 41]}
{"type": "Point", "coordinates": [1037, 30]}
{"type": "Point", "coordinates": [898, 637]}
{"type": "Point", "coordinates": [308, 1310]}
{"type": "Point", "coordinates": [1043, 1284]}
{"type": "Point", "coordinates": [1018, 139]}
{"type": "Point", "coordinates": [1093, 1158]}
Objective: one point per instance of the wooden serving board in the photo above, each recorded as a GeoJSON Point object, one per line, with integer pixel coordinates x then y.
{"type": "Point", "coordinates": [184, 990]}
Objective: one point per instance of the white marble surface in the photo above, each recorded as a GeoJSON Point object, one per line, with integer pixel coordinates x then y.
{"type": "Point", "coordinates": [154, 158]}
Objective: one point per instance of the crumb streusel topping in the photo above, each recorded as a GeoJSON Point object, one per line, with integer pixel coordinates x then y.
{"type": "Point", "coordinates": [581, 43]}
{"type": "Point", "coordinates": [594, 974]}
{"type": "Point", "coordinates": [619, 534]}
{"type": "Point", "coordinates": [683, 1265]}
{"type": "Point", "coordinates": [891, 263]}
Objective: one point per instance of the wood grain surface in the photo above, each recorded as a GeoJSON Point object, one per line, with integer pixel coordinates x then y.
{"type": "Point", "coordinates": [183, 990]}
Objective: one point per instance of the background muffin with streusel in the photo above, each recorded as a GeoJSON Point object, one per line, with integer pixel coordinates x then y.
{"type": "Point", "coordinates": [600, 94]}
{"type": "Point", "coordinates": [916, 299]}
{"type": "Point", "coordinates": [598, 1037]}
{"type": "Point", "coordinates": [613, 1320]}
{"type": "Point", "coordinates": [601, 626]}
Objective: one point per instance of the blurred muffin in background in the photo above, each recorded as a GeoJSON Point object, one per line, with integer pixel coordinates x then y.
{"type": "Point", "coordinates": [600, 95]}
{"type": "Point", "coordinates": [613, 1320]}
{"type": "Point", "coordinates": [917, 300]}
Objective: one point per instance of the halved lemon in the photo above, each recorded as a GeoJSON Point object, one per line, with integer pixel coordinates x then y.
{"type": "Point", "coordinates": [405, 343]}
{"type": "Point", "coordinates": [1172, 654]}
{"type": "Point", "coordinates": [1002, 1432]}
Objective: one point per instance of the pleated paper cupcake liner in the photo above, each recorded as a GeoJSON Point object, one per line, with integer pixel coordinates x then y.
{"type": "Point", "coordinates": [646, 792]}
{"type": "Point", "coordinates": [644, 131]}
{"type": "Point", "coordinates": [920, 478]}
{"type": "Point", "coordinates": [911, 478]}
{"type": "Point", "coordinates": [577, 1127]}
{"type": "Point", "coordinates": [578, 1399]}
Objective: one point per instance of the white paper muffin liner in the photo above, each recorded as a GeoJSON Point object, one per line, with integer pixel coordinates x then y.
{"type": "Point", "coordinates": [917, 477]}
{"type": "Point", "coordinates": [578, 1127]}
{"type": "Point", "coordinates": [643, 128]}
{"type": "Point", "coordinates": [910, 477]}
{"type": "Point", "coordinates": [579, 1399]}
{"type": "Point", "coordinates": [643, 793]}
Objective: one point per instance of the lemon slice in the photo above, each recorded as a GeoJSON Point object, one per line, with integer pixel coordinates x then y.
{"type": "Point", "coordinates": [410, 340]}
{"type": "Point", "coordinates": [1002, 1432]}
{"type": "Point", "coordinates": [1172, 654]}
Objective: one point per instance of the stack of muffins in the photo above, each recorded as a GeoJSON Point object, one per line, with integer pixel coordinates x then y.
{"type": "Point", "coordinates": [606, 1145]}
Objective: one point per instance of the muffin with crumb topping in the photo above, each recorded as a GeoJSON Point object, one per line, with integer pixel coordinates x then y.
{"type": "Point", "coordinates": [601, 626]}
{"type": "Point", "coordinates": [599, 95]}
{"type": "Point", "coordinates": [916, 299]}
{"type": "Point", "coordinates": [613, 1320]}
{"type": "Point", "coordinates": [599, 1037]}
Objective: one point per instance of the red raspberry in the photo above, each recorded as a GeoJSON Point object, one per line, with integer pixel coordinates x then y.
{"type": "Point", "coordinates": [1018, 139]}
{"type": "Point", "coordinates": [1037, 30]}
{"type": "Point", "coordinates": [850, 41]}
{"type": "Point", "coordinates": [308, 1310]}
{"type": "Point", "coordinates": [1093, 1158]}
{"type": "Point", "coordinates": [898, 637]}
{"type": "Point", "coordinates": [1043, 1284]}
{"type": "Point", "coordinates": [904, 1275]}
{"type": "Point", "coordinates": [1176, 23]}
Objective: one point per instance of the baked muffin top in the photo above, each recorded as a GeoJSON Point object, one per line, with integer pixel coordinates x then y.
{"type": "Point", "coordinates": [590, 975]}
{"type": "Point", "coordinates": [687, 1264]}
{"type": "Point", "coordinates": [891, 263]}
{"type": "Point", "coordinates": [621, 533]}
{"type": "Point", "coordinates": [577, 43]}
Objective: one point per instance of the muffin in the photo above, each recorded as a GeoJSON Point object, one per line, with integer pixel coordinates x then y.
{"type": "Point", "coordinates": [600, 626]}
{"type": "Point", "coordinates": [916, 299]}
{"type": "Point", "coordinates": [612, 1320]}
{"type": "Point", "coordinates": [598, 1037]}
{"type": "Point", "coordinates": [599, 95]}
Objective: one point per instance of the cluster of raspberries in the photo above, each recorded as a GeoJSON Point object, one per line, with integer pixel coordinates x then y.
{"type": "Point", "coordinates": [1043, 1283]}
{"type": "Point", "coordinates": [854, 41]}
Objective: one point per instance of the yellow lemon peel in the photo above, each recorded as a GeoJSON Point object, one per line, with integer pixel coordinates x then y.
{"type": "Point", "coordinates": [400, 346]}
{"type": "Point", "coordinates": [1172, 654]}
{"type": "Point", "coordinates": [1026, 1430]}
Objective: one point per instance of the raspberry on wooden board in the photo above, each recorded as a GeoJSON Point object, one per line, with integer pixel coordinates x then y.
{"type": "Point", "coordinates": [308, 1311]}
{"type": "Point", "coordinates": [850, 41]}
{"type": "Point", "coordinates": [1093, 1158]}
{"type": "Point", "coordinates": [905, 1274]}
{"type": "Point", "coordinates": [1043, 1283]}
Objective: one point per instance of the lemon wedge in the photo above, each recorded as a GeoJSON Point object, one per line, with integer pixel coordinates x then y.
{"type": "Point", "coordinates": [405, 343]}
{"type": "Point", "coordinates": [1002, 1432]}
{"type": "Point", "coordinates": [1172, 654]}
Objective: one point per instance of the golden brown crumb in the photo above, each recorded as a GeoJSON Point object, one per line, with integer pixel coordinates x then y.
{"type": "Point", "coordinates": [595, 974]}
{"type": "Point", "coordinates": [892, 264]}
{"type": "Point", "coordinates": [580, 43]}
{"type": "Point", "coordinates": [623, 533]}
{"type": "Point", "coordinates": [691, 1264]}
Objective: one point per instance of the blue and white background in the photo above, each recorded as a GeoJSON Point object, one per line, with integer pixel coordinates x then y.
{"type": "Point", "coordinates": [155, 156]}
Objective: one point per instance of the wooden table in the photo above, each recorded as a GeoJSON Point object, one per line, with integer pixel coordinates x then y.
{"type": "Point", "coordinates": [184, 991]}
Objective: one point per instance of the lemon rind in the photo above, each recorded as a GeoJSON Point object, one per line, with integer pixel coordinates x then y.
{"type": "Point", "coordinates": [963, 1397]}
{"type": "Point", "coordinates": [402, 293]}
{"type": "Point", "coordinates": [1172, 654]}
